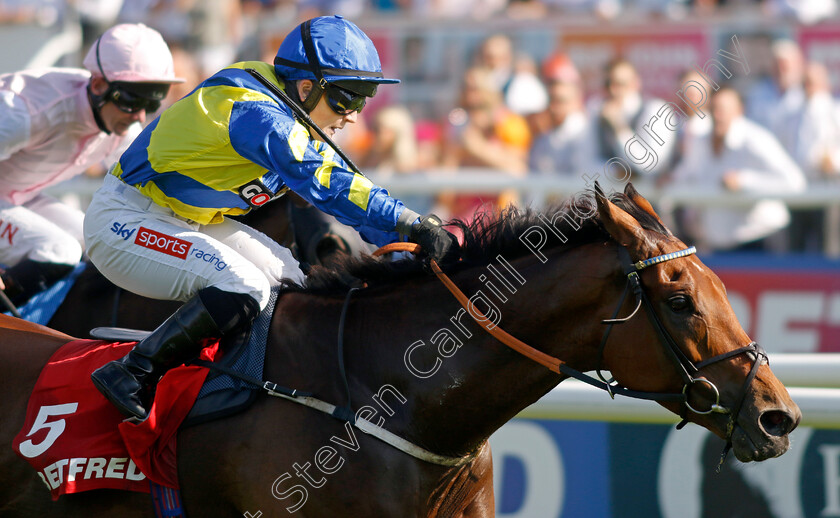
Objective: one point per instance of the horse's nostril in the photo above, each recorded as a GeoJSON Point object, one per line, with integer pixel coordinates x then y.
{"type": "Point", "coordinates": [777, 423]}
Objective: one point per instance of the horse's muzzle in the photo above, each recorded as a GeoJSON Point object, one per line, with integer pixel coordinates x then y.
{"type": "Point", "coordinates": [766, 436]}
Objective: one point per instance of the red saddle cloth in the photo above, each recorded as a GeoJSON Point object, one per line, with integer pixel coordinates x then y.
{"type": "Point", "coordinates": [77, 441]}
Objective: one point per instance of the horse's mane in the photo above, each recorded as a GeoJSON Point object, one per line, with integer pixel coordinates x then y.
{"type": "Point", "coordinates": [486, 237]}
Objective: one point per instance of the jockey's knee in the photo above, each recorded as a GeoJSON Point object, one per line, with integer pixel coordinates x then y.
{"type": "Point", "coordinates": [244, 278]}
{"type": "Point", "coordinates": [229, 310]}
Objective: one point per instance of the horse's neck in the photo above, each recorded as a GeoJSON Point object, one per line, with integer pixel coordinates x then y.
{"type": "Point", "coordinates": [438, 378]}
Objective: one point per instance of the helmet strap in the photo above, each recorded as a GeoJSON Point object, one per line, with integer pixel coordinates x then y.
{"type": "Point", "coordinates": [315, 65]}
{"type": "Point", "coordinates": [312, 99]}
{"type": "Point", "coordinates": [291, 88]}
{"type": "Point", "coordinates": [97, 101]}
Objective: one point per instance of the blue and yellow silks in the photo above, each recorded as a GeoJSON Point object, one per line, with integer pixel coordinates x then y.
{"type": "Point", "coordinates": [231, 131]}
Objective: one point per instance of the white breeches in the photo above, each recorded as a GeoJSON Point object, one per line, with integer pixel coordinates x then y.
{"type": "Point", "coordinates": [42, 229]}
{"type": "Point", "coordinates": [151, 251]}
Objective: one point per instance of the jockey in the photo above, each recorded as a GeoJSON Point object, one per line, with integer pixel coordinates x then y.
{"type": "Point", "coordinates": [158, 225]}
{"type": "Point", "coordinates": [55, 124]}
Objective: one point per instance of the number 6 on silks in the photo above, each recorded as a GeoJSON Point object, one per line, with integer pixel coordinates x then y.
{"type": "Point", "coordinates": [56, 428]}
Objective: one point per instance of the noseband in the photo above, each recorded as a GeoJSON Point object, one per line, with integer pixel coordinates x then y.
{"type": "Point", "coordinates": [687, 369]}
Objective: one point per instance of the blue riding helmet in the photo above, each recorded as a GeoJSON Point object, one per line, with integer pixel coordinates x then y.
{"type": "Point", "coordinates": [342, 52]}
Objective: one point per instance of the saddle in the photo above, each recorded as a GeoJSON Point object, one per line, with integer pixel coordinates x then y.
{"type": "Point", "coordinates": [231, 385]}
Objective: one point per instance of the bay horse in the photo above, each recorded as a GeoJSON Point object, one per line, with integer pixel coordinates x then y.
{"type": "Point", "coordinates": [419, 367]}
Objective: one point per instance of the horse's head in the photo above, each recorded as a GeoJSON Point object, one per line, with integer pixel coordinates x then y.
{"type": "Point", "coordinates": [683, 302]}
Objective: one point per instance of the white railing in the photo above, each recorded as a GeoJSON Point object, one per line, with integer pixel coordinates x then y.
{"type": "Point", "coordinates": [812, 380]}
{"type": "Point", "coordinates": [539, 188]}
{"type": "Point", "coordinates": [536, 190]}
{"type": "Point", "coordinates": [575, 401]}
{"type": "Point", "coordinates": [821, 370]}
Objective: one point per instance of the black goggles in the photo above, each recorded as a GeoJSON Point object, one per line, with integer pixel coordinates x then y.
{"type": "Point", "coordinates": [344, 102]}
{"type": "Point", "coordinates": [136, 97]}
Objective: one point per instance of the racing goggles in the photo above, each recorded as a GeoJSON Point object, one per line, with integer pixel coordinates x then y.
{"type": "Point", "coordinates": [346, 97]}
{"type": "Point", "coordinates": [134, 97]}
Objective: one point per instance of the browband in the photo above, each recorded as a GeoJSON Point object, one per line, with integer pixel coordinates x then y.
{"type": "Point", "coordinates": [641, 265]}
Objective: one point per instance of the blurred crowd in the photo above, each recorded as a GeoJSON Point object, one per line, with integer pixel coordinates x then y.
{"type": "Point", "coordinates": [804, 11]}
{"type": "Point", "coordinates": [519, 116]}
{"type": "Point", "coordinates": [777, 136]}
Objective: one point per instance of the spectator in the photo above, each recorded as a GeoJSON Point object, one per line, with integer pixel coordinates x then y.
{"type": "Point", "coordinates": [394, 146]}
{"type": "Point", "coordinates": [173, 18]}
{"type": "Point", "coordinates": [350, 8]}
{"type": "Point", "coordinates": [217, 29]}
{"type": "Point", "coordinates": [805, 11]}
{"type": "Point", "coordinates": [559, 67]}
{"type": "Point", "coordinates": [556, 67]}
{"type": "Point", "coordinates": [738, 155]}
{"type": "Point", "coordinates": [45, 13]}
{"type": "Point", "coordinates": [400, 145]}
{"type": "Point", "coordinates": [620, 120]}
{"type": "Point", "coordinates": [568, 147]}
{"type": "Point", "coordinates": [483, 132]}
{"type": "Point", "coordinates": [774, 103]}
{"type": "Point", "coordinates": [526, 9]}
{"type": "Point", "coordinates": [606, 9]}
{"type": "Point", "coordinates": [429, 144]}
{"type": "Point", "coordinates": [460, 9]}
{"type": "Point", "coordinates": [694, 103]}
{"type": "Point", "coordinates": [515, 75]}
{"type": "Point", "coordinates": [817, 151]}
{"type": "Point", "coordinates": [816, 147]}
{"type": "Point", "coordinates": [56, 123]}
{"type": "Point", "coordinates": [95, 17]}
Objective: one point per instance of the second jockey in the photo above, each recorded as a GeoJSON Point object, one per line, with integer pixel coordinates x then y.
{"type": "Point", "coordinates": [55, 124]}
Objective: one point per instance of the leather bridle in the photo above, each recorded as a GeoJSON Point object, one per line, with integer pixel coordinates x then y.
{"type": "Point", "coordinates": [688, 370]}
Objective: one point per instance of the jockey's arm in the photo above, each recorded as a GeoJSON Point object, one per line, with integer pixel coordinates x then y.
{"type": "Point", "coordinates": [267, 135]}
{"type": "Point", "coordinates": [15, 124]}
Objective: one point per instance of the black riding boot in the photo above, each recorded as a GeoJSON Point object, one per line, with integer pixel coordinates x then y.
{"type": "Point", "coordinates": [127, 382]}
{"type": "Point", "coordinates": [29, 277]}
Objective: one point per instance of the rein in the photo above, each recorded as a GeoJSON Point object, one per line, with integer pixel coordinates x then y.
{"type": "Point", "coordinates": [689, 371]}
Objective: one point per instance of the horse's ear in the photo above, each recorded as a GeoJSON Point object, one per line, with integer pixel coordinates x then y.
{"type": "Point", "coordinates": [598, 191]}
{"type": "Point", "coordinates": [641, 201]}
{"type": "Point", "coordinates": [622, 226]}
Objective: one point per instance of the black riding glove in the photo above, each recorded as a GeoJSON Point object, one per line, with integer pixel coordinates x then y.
{"type": "Point", "coordinates": [437, 243]}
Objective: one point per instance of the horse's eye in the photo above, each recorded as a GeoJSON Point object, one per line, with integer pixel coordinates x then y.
{"type": "Point", "coordinates": [679, 303]}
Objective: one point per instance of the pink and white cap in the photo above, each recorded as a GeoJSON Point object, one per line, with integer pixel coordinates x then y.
{"type": "Point", "coordinates": [132, 53]}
